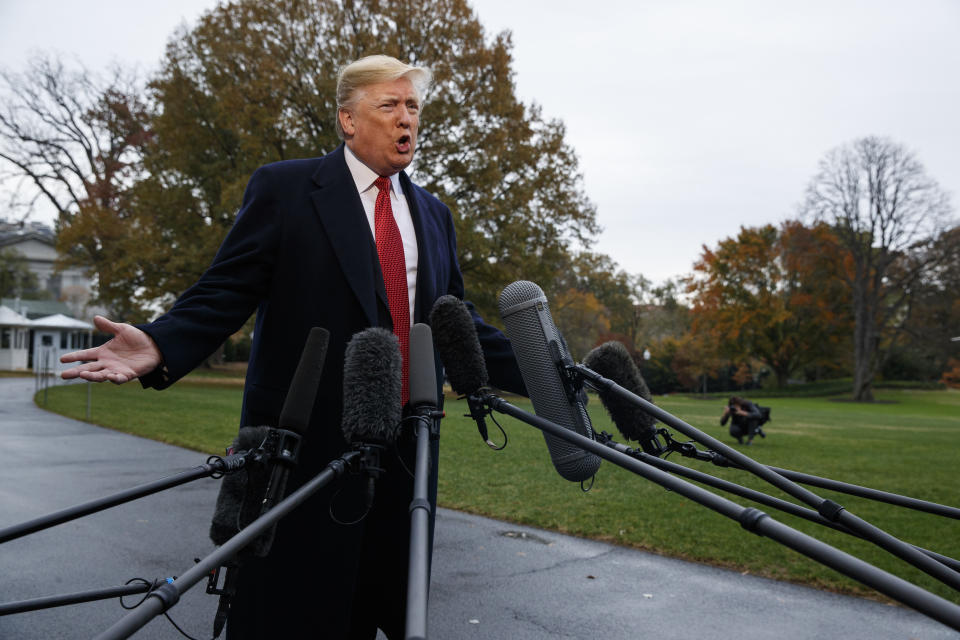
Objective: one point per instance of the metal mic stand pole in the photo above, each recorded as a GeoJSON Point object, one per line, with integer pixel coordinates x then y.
{"type": "Point", "coordinates": [750, 494]}
{"type": "Point", "coordinates": [49, 602]}
{"type": "Point", "coordinates": [689, 450]}
{"type": "Point", "coordinates": [418, 573]}
{"type": "Point", "coordinates": [214, 465]}
{"type": "Point", "coordinates": [756, 522]}
{"type": "Point", "coordinates": [169, 593]}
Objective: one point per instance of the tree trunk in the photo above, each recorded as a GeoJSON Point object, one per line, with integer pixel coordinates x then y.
{"type": "Point", "coordinates": [864, 345]}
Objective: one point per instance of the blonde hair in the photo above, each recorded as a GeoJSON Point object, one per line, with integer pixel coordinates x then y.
{"type": "Point", "coordinates": [373, 70]}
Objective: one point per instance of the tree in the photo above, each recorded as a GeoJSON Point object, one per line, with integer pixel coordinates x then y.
{"type": "Point", "coordinates": [762, 295]}
{"type": "Point", "coordinates": [16, 279]}
{"type": "Point", "coordinates": [591, 298]}
{"type": "Point", "coordinates": [581, 318]}
{"type": "Point", "coordinates": [932, 318]}
{"type": "Point", "coordinates": [254, 82]}
{"type": "Point", "coordinates": [74, 140]}
{"type": "Point", "coordinates": [887, 214]}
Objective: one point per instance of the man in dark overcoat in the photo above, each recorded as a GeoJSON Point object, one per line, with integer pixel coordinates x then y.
{"type": "Point", "coordinates": [306, 250]}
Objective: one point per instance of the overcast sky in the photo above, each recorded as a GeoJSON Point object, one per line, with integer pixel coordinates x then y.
{"type": "Point", "coordinates": [690, 117]}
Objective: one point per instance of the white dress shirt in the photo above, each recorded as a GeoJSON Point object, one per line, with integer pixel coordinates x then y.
{"type": "Point", "coordinates": [364, 178]}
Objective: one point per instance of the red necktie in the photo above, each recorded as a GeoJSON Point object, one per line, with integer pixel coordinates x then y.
{"type": "Point", "coordinates": [393, 265]}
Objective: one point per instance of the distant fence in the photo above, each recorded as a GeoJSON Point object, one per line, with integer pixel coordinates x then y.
{"type": "Point", "coordinates": [46, 374]}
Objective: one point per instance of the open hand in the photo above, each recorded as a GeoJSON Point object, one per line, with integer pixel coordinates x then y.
{"type": "Point", "coordinates": [130, 354]}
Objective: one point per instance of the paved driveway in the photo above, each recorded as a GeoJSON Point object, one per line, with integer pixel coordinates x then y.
{"type": "Point", "coordinates": [491, 580]}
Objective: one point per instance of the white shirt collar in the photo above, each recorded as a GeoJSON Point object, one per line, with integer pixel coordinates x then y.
{"type": "Point", "coordinates": [364, 176]}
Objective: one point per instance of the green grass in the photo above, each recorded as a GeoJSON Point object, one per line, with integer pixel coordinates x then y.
{"type": "Point", "coordinates": [199, 415]}
{"type": "Point", "coordinates": [907, 443]}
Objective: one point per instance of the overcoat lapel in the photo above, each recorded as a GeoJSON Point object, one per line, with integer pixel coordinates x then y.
{"type": "Point", "coordinates": [338, 205]}
{"type": "Point", "coordinates": [424, 253]}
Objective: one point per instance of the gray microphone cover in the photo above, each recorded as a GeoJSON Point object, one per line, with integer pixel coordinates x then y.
{"type": "Point", "coordinates": [613, 361]}
{"type": "Point", "coordinates": [423, 370]}
{"type": "Point", "coordinates": [537, 345]}
{"type": "Point", "coordinates": [455, 337]}
{"type": "Point", "coordinates": [372, 387]}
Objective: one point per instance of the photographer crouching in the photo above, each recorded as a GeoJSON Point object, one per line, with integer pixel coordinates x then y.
{"type": "Point", "coordinates": [746, 419]}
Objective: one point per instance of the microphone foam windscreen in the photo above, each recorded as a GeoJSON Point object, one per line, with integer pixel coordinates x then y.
{"type": "Point", "coordinates": [538, 345]}
{"type": "Point", "coordinates": [238, 501]}
{"type": "Point", "coordinates": [371, 387]}
{"type": "Point", "coordinates": [613, 361]}
{"type": "Point", "coordinates": [455, 337]}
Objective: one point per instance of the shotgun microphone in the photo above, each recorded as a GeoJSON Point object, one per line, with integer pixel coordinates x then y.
{"type": "Point", "coordinates": [542, 355]}
{"type": "Point", "coordinates": [456, 340]}
{"type": "Point", "coordinates": [613, 361]}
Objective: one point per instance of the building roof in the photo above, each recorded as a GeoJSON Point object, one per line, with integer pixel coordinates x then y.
{"type": "Point", "coordinates": [14, 233]}
{"type": "Point", "coordinates": [36, 308]}
{"type": "Point", "coordinates": [10, 318]}
{"type": "Point", "coordinates": [59, 321]}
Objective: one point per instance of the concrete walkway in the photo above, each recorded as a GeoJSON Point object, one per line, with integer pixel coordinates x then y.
{"type": "Point", "coordinates": [491, 580]}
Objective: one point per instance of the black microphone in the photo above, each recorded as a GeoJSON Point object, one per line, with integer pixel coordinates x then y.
{"type": "Point", "coordinates": [423, 372]}
{"type": "Point", "coordinates": [613, 361]}
{"type": "Point", "coordinates": [455, 337]}
{"type": "Point", "coordinates": [372, 397]}
{"type": "Point", "coordinates": [423, 401]}
{"type": "Point", "coordinates": [542, 355]}
{"type": "Point", "coordinates": [246, 495]}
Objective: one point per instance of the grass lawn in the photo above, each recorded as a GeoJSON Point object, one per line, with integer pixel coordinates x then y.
{"type": "Point", "coordinates": [906, 443]}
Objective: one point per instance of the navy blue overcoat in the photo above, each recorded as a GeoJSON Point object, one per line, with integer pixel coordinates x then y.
{"type": "Point", "coordinates": [301, 255]}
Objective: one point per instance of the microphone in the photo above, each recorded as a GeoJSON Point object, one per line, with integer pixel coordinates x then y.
{"type": "Point", "coordinates": [423, 400]}
{"type": "Point", "coordinates": [456, 340]}
{"type": "Point", "coordinates": [372, 387]}
{"type": "Point", "coordinates": [613, 361]}
{"type": "Point", "coordinates": [245, 496]}
{"type": "Point", "coordinates": [542, 355]}
{"type": "Point", "coordinates": [423, 372]}
{"type": "Point", "coordinates": [372, 398]}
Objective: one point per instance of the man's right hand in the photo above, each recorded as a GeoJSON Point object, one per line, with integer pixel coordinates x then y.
{"type": "Point", "coordinates": [130, 354]}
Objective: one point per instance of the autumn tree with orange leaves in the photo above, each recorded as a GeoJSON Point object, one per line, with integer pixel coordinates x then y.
{"type": "Point", "coordinates": [773, 295]}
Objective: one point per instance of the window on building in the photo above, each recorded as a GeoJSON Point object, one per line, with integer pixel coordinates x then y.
{"type": "Point", "coordinates": [63, 339]}
{"type": "Point", "coordinates": [5, 338]}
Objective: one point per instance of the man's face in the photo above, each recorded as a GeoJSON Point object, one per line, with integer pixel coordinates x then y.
{"type": "Point", "coordinates": [381, 126]}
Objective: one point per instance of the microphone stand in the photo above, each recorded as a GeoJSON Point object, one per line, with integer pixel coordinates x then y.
{"type": "Point", "coordinates": [214, 467]}
{"type": "Point", "coordinates": [689, 450]}
{"type": "Point", "coordinates": [825, 507]}
{"type": "Point", "coordinates": [749, 494]}
{"type": "Point", "coordinates": [418, 574]}
{"type": "Point", "coordinates": [167, 595]}
{"type": "Point", "coordinates": [756, 522]}
{"type": "Point", "coordinates": [49, 602]}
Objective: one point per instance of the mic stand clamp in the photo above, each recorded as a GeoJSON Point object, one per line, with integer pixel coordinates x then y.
{"type": "Point", "coordinates": [479, 410]}
{"type": "Point", "coordinates": [368, 462]}
{"type": "Point", "coordinates": [689, 450]}
{"type": "Point", "coordinates": [570, 376]}
{"type": "Point", "coordinates": [231, 571]}
{"type": "Point", "coordinates": [281, 447]}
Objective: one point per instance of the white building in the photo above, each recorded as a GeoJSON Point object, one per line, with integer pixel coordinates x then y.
{"type": "Point", "coordinates": [37, 243]}
{"type": "Point", "coordinates": [38, 344]}
{"type": "Point", "coordinates": [14, 340]}
{"type": "Point", "coordinates": [56, 335]}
